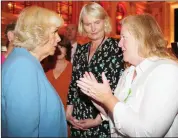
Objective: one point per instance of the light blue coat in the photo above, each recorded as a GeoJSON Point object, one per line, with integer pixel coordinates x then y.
{"type": "Point", "coordinates": [30, 105]}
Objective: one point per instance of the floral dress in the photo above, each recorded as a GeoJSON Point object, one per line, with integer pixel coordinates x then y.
{"type": "Point", "coordinates": [107, 58]}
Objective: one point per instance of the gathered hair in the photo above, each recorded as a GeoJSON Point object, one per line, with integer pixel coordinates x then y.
{"type": "Point", "coordinates": [65, 42]}
{"type": "Point", "coordinates": [95, 10]}
{"type": "Point", "coordinates": [10, 27]}
{"type": "Point", "coordinates": [147, 32]}
{"type": "Point", "coordinates": [33, 25]}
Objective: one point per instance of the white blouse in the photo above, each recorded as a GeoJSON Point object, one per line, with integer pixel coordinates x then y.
{"type": "Point", "coordinates": [148, 105]}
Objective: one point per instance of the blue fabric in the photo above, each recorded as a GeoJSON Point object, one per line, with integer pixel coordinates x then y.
{"type": "Point", "coordinates": [30, 105]}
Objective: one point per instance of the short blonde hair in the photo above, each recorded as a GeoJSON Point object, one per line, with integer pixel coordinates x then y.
{"type": "Point", "coordinates": [147, 32]}
{"type": "Point", "coordinates": [32, 27]}
{"type": "Point", "coordinates": [95, 10]}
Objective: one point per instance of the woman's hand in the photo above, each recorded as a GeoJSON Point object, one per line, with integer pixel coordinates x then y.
{"type": "Point", "coordinates": [89, 123]}
{"type": "Point", "coordinates": [81, 124]}
{"type": "Point", "coordinates": [98, 91]}
{"type": "Point", "coordinates": [73, 121]}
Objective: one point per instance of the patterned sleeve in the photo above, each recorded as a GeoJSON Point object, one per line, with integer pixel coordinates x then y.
{"type": "Point", "coordinates": [116, 64]}
{"type": "Point", "coordinates": [72, 94]}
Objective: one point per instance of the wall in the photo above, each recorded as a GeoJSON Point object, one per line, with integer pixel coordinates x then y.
{"type": "Point", "coordinates": [164, 14]}
{"type": "Point", "coordinates": [172, 6]}
{"type": "Point", "coordinates": [162, 11]}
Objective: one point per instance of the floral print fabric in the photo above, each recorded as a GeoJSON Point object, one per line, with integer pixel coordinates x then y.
{"type": "Point", "coordinates": [107, 58]}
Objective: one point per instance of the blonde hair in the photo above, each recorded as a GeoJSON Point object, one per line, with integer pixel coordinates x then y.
{"type": "Point", "coordinates": [32, 27]}
{"type": "Point", "coordinates": [95, 10]}
{"type": "Point", "coordinates": [148, 33]}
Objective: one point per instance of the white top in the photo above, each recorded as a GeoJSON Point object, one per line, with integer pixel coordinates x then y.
{"type": "Point", "coordinates": [74, 47]}
{"type": "Point", "coordinates": [151, 109]}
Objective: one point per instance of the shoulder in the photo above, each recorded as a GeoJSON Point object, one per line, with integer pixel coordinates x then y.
{"type": "Point", "coordinates": [69, 65]}
{"type": "Point", "coordinates": [48, 72]}
{"type": "Point", "coordinates": [161, 72]}
{"type": "Point", "coordinates": [166, 66]}
{"type": "Point", "coordinates": [112, 40]}
{"type": "Point", "coordinates": [68, 69]}
{"type": "Point", "coordinates": [114, 45]}
{"type": "Point", "coordinates": [163, 77]}
{"type": "Point", "coordinates": [20, 64]}
{"type": "Point", "coordinates": [83, 47]}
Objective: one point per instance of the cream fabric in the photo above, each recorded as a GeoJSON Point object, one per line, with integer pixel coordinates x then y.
{"type": "Point", "coordinates": [152, 107]}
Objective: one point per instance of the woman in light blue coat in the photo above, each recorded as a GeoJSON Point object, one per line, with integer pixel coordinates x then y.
{"type": "Point", "coordinates": [30, 105]}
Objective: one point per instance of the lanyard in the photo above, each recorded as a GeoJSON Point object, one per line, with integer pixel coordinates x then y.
{"type": "Point", "coordinates": [96, 49]}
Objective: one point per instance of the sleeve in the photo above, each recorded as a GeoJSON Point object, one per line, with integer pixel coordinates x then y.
{"type": "Point", "coordinates": [117, 91]}
{"type": "Point", "coordinates": [116, 65]}
{"type": "Point", "coordinates": [72, 94]}
{"type": "Point", "coordinates": [22, 100]}
{"type": "Point", "coordinates": [158, 108]}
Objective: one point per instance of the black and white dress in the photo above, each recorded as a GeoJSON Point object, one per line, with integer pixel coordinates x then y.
{"type": "Point", "coordinates": [107, 58]}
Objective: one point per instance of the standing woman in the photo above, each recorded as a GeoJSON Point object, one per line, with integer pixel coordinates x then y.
{"type": "Point", "coordinates": [101, 54]}
{"type": "Point", "coordinates": [145, 102]}
{"type": "Point", "coordinates": [30, 105]}
{"type": "Point", "coordinates": [60, 71]}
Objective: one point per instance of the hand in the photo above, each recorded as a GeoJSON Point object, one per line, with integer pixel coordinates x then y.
{"type": "Point", "coordinates": [93, 89]}
{"type": "Point", "coordinates": [89, 123]}
{"type": "Point", "coordinates": [74, 122]}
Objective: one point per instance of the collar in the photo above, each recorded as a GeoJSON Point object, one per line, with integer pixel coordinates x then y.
{"type": "Point", "coordinates": [145, 64]}
{"type": "Point", "coordinates": [74, 45]}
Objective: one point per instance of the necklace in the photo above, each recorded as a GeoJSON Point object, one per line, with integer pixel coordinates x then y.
{"type": "Point", "coordinates": [89, 48]}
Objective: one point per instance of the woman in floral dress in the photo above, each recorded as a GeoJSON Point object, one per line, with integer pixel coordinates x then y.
{"type": "Point", "coordinates": [102, 54]}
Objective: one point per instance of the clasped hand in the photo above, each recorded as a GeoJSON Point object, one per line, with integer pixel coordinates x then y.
{"type": "Point", "coordinates": [85, 123]}
{"type": "Point", "coordinates": [98, 91]}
